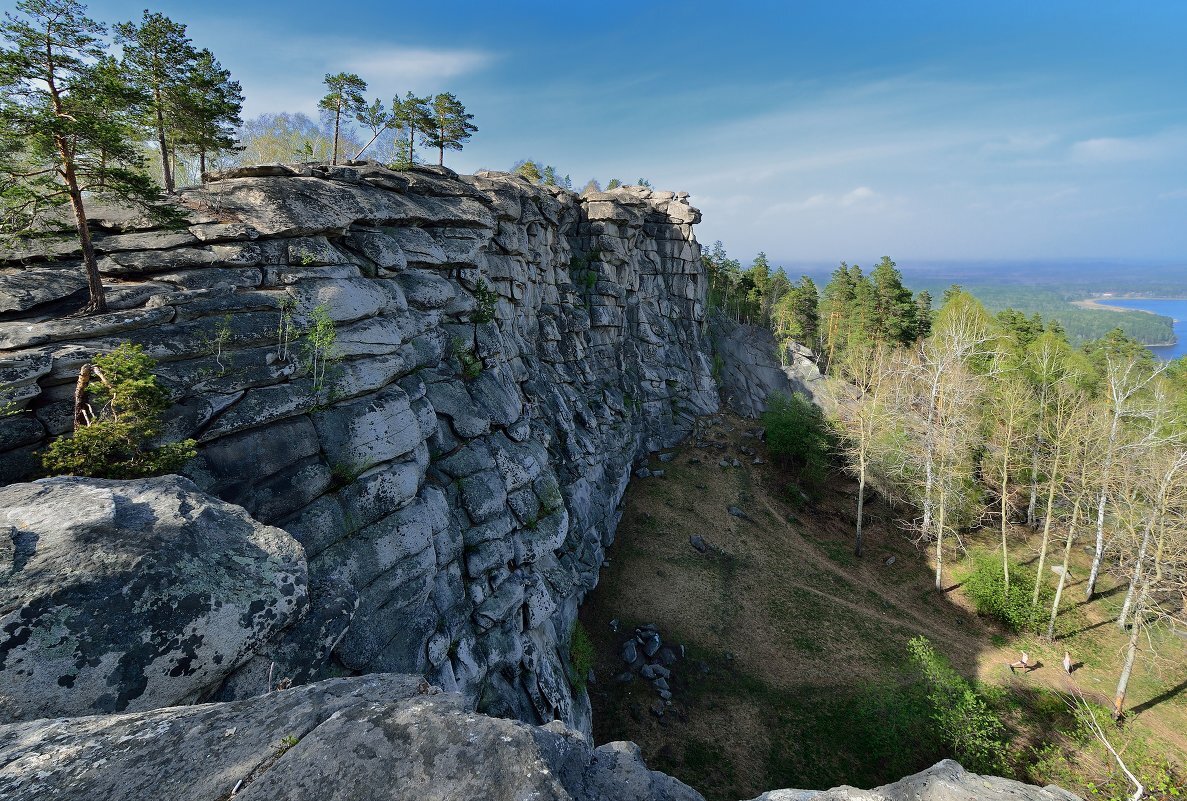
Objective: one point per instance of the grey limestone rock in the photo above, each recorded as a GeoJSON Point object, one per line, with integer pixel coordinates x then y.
{"type": "Point", "coordinates": [384, 736]}
{"type": "Point", "coordinates": [459, 474]}
{"type": "Point", "coordinates": [752, 368]}
{"type": "Point", "coordinates": [944, 781]}
{"type": "Point", "coordinates": [133, 595]}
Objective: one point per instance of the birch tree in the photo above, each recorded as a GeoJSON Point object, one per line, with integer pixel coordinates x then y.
{"type": "Point", "coordinates": [948, 375]}
{"type": "Point", "coordinates": [862, 415]}
{"type": "Point", "coordinates": [1127, 372]}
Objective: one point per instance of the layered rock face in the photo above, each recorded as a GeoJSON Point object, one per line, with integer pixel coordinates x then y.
{"type": "Point", "coordinates": [501, 355]}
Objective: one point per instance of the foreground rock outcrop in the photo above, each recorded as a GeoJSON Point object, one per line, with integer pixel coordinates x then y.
{"type": "Point", "coordinates": [133, 595]}
{"type": "Point", "coordinates": [944, 781]}
{"type": "Point", "coordinates": [502, 354]}
{"type": "Point", "coordinates": [383, 736]}
{"type": "Point", "coordinates": [375, 737]}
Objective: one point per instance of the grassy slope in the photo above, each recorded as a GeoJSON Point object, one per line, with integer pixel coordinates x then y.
{"type": "Point", "coordinates": [808, 683]}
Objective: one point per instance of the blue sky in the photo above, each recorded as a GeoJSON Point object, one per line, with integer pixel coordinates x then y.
{"type": "Point", "coordinates": [815, 131]}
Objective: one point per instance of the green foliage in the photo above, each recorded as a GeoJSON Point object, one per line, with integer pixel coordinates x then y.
{"type": "Point", "coordinates": [344, 97]}
{"type": "Point", "coordinates": [581, 657]}
{"type": "Point", "coordinates": [320, 346]}
{"type": "Point", "coordinates": [450, 126]}
{"type": "Point", "coordinates": [797, 432]}
{"type": "Point", "coordinates": [965, 721]}
{"type": "Point", "coordinates": [985, 587]}
{"type": "Point", "coordinates": [412, 116]}
{"type": "Point", "coordinates": [68, 125]}
{"type": "Point", "coordinates": [471, 365]}
{"type": "Point", "coordinates": [126, 406]}
{"type": "Point", "coordinates": [486, 298]}
{"type": "Point", "coordinates": [281, 138]}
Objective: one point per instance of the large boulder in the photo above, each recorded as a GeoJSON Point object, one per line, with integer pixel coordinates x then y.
{"type": "Point", "coordinates": [132, 595]}
{"type": "Point", "coordinates": [944, 781]}
{"type": "Point", "coordinates": [378, 737]}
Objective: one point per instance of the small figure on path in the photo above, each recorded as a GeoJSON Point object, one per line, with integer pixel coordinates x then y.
{"type": "Point", "coordinates": [1023, 663]}
{"type": "Point", "coordinates": [1067, 663]}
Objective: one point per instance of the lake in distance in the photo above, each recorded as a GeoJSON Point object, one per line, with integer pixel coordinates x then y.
{"type": "Point", "coordinates": [1176, 309]}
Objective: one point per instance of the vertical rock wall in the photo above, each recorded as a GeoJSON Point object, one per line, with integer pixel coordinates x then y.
{"type": "Point", "coordinates": [504, 352]}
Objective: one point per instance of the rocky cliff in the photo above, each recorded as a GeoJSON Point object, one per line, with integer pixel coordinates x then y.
{"type": "Point", "coordinates": [502, 354]}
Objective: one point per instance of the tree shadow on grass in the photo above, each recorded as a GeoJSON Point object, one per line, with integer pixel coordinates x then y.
{"type": "Point", "coordinates": [1158, 699]}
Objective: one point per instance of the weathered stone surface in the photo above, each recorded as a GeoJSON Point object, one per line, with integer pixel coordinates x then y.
{"type": "Point", "coordinates": [944, 781]}
{"type": "Point", "coordinates": [752, 368]}
{"type": "Point", "coordinates": [23, 289]}
{"type": "Point", "coordinates": [456, 474]}
{"type": "Point", "coordinates": [374, 737]}
{"type": "Point", "coordinates": [133, 595]}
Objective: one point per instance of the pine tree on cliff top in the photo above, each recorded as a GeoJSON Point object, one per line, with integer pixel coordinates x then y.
{"type": "Point", "coordinates": [66, 120]}
{"type": "Point", "coordinates": [345, 97]}
{"type": "Point", "coordinates": [451, 125]}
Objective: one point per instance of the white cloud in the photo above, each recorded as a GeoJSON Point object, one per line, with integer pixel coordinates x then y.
{"type": "Point", "coordinates": [412, 65]}
{"type": "Point", "coordinates": [1113, 149]}
{"type": "Point", "coordinates": [858, 195]}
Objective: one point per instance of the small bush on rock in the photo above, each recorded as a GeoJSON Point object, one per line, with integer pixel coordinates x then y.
{"type": "Point", "coordinates": [119, 408]}
{"type": "Point", "coordinates": [581, 657]}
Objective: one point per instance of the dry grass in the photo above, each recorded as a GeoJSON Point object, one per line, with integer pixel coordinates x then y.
{"type": "Point", "coordinates": [805, 644]}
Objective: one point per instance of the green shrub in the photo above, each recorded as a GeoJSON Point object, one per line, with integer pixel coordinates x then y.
{"type": "Point", "coordinates": [125, 410]}
{"type": "Point", "coordinates": [962, 715]}
{"type": "Point", "coordinates": [796, 432]}
{"type": "Point", "coordinates": [468, 361]}
{"type": "Point", "coordinates": [985, 587]}
{"type": "Point", "coordinates": [581, 657]}
{"type": "Point", "coordinates": [486, 297]}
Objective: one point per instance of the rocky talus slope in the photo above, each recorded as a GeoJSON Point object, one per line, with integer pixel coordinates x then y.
{"type": "Point", "coordinates": [454, 479]}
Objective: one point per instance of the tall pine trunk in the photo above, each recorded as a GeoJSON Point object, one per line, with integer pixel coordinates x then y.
{"type": "Point", "coordinates": [166, 172]}
{"type": "Point", "coordinates": [98, 298]}
{"type": "Point", "coordinates": [337, 122]}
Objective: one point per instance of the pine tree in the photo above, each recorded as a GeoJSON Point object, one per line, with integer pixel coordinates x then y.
{"type": "Point", "coordinates": [923, 313]}
{"type": "Point", "coordinates": [377, 118]}
{"type": "Point", "coordinates": [212, 105]}
{"type": "Point", "coordinates": [412, 116]}
{"type": "Point", "coordinates": [66, 118]}
{"type": "Point", "coordinates": [344, 98]}
{"type": "Point", "coordinates": [894, 307]}
{"type": "Point", "coordinates": [451, 125]}
{"type": "Point", "coordinates": [159, 59]}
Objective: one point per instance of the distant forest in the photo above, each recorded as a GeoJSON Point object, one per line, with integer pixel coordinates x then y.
{"type": "Point", "coordinates": [1049, 288]}
{"type": "Point", "coordinates": [1082, 325]}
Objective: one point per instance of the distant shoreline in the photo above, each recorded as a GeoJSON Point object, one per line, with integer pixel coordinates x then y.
{"type": "Point", "coordinates": [1102, 303]}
